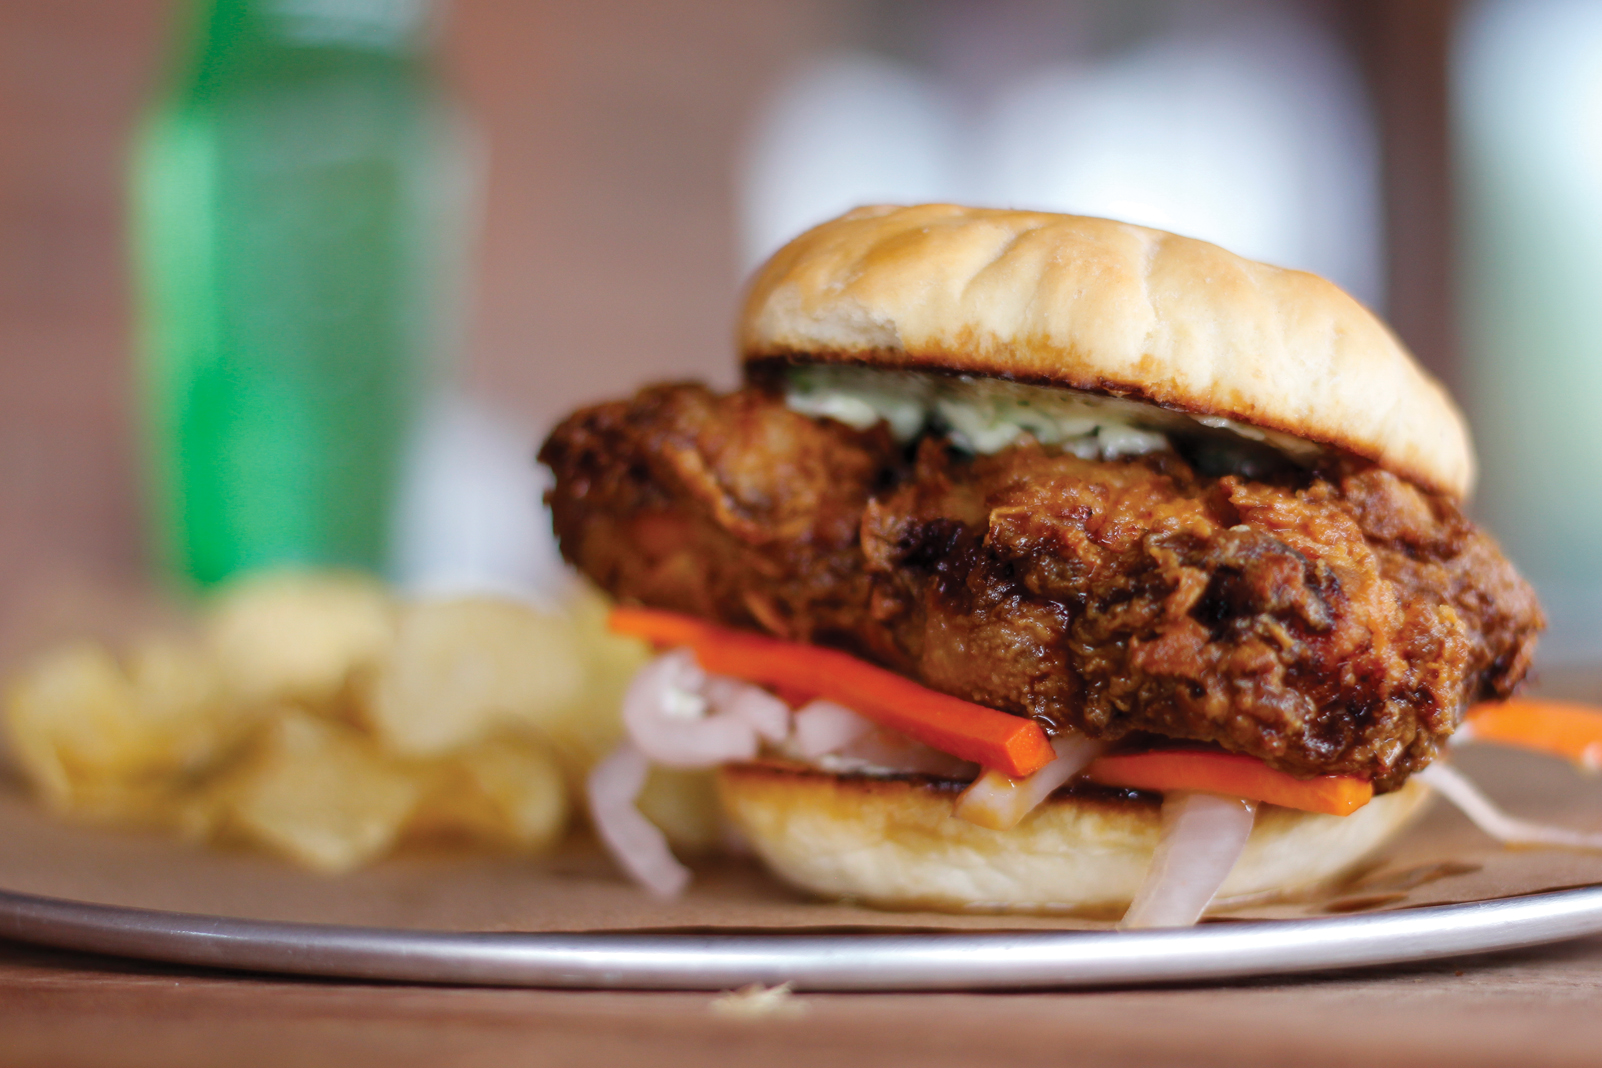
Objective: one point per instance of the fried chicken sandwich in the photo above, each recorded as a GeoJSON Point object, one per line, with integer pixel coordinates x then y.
{"type": "Point", "coordinates": [1042, 562]}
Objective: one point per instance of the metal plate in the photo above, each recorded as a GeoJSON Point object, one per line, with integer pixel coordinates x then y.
{"type": "Point", "coordinates": [866, 961]}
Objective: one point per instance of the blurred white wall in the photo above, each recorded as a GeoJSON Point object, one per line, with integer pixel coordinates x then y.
{"type": "Point", "coordinates": [1528, 101]}
{"type": "Point", "coordinates": [1251, 131]}
{"type": "Point", "coordinates": [1255, 136]}
{"type": "Point", "coordinates": [845, 129]}
{"type": "Point", "coordinates": [470, 518]}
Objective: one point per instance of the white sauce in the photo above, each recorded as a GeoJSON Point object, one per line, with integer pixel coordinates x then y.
{"type": "Point", "coordinates": [987, 415]}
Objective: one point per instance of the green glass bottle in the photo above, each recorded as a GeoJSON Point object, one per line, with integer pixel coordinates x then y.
{"type": "Point", "coordinates": [286, 221]}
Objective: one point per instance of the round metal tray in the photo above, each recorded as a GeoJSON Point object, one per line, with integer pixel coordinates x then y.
{"type": "Point", "coordinates": [865, 961]}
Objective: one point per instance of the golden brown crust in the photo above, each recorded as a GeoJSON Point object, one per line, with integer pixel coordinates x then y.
{"type": "Point", "coordinates": [1105, 306]}
{"type": "Point", "coordinates": [894, 843]}
{"type": "Point", "coordinates": [1329, 623]}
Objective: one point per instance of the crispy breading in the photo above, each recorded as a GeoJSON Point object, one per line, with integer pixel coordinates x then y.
{"type": "Point", "coordinates": [1329, 622]}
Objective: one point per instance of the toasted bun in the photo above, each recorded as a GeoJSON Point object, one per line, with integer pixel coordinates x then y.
{"type": "Point", "coordinates": [894, 843]}
{"type": "Point", "coordinates": [1113, 308]}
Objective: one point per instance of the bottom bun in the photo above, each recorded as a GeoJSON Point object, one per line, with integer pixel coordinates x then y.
{"type": "Point", "coordinates": [893, 842]}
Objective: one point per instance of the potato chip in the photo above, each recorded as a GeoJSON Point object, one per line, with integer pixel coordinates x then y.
{"type": "Point", "coordinates": [319, 720]}
{"type": "Point", "coordinates": [526, 785]}
{"type": "Point", "coordinates": [684, 805]}
{"type": "Point", "coordinates": [506, 792]}
{"type": "Point", "coordinates": [184, 715]}
{"type": "Point", "coordinates": [298, 638]}
{"type": "Point", "coordinates": [320, 794]}
{"type": "Point", "coordinates": [452, 809]}
{"type": "Point", "coordinates": [462, 669]}
{"type": "Point", "coordinates": [70, 714]}
{"type": "Point", "coordinates": [584, 730]}
{"type": "Point", "coordinates": [83, 725]}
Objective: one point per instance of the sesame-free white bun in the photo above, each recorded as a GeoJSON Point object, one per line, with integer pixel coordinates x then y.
{"type": "Point", "coordinates": [893, 842]}
{"type": "Point", "coordinates": [1108, 307]}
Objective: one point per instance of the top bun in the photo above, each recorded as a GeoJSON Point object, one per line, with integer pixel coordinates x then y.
{"type": "Point", "coordinates": [1111, 308]}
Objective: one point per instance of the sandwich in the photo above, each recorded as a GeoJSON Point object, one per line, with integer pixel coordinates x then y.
{"type": "Point", "coordinates": [1042, 563]}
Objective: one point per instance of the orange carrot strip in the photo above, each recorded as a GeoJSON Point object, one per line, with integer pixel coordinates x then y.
{"type": "Point", "coordinates": [992, 739]}
{"type": "Point", "coordinates": [796, 699]}
{"type": "Point", "coordinates": [1558, 728]}
{"type": "Point", "coordinates": [1234, 776]}
{"type": "Point", "coordinates": [664, 629]}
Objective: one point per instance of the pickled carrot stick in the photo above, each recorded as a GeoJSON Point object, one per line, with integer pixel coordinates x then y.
{"type": "Point", "coordinates": [1232, 775]}
{"type": "Point", "coordinates": [988, 737]}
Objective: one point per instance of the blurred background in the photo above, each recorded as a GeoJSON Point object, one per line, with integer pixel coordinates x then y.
{"type": "Point", "coordinates": [550, 203]}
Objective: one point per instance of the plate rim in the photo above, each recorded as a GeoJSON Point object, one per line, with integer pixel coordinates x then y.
{"type": "Point", "coordinates": [870, 960]}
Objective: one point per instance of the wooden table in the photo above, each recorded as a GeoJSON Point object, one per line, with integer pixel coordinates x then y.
{"type": "Point", "coordinates": [1525, 1008]}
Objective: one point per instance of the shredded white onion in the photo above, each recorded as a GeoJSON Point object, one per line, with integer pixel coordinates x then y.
{"type": "Point", "coordinates": [634, 842]}
{"type": "Point", "coordinates": [1000, 802]}
{"type": "Point", "coordinates": [1510, 830]}
{"type": "Point", "coordinates": [669, 717]}
{"type": "Point", "coordinates": [838, 740]}
{"type": "Point", "coordinates": [767, 715]}
{"type": "Point", "coordinates": [887, 752]}
{"type": "Point", "coordinates": [1202, 838]}
{"type": "Point", "coordinates": [823, 727]}
{"type": "Point", "coordinates": [676, 715]}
